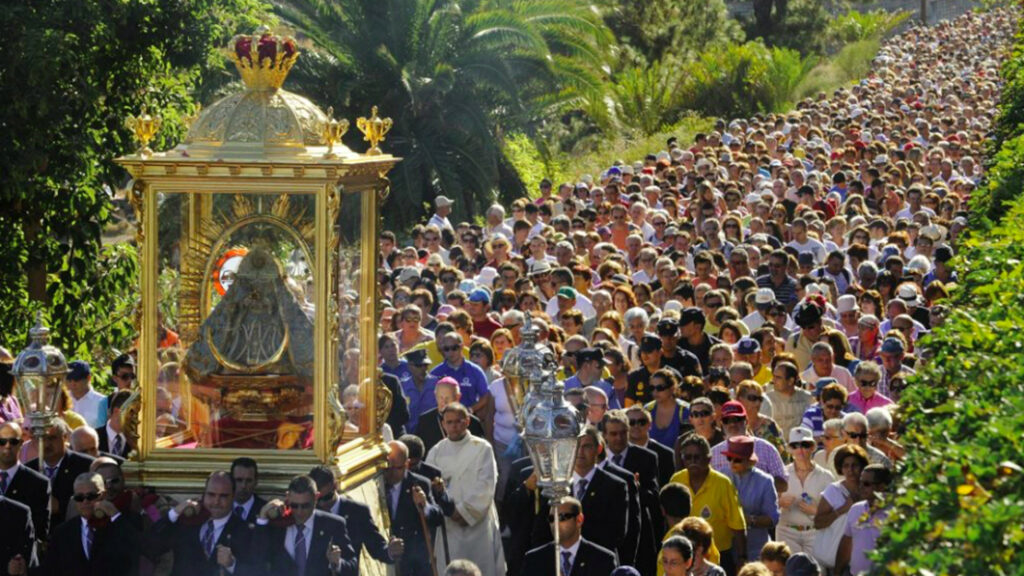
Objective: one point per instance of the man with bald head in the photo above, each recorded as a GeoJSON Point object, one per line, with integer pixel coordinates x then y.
{"type": "Point", "coordinates": [404, 492]}
{"type": "Point", "coordinates": [22, 484]}
{"type": "Point", "coordinates": [100, 541]}
{"type": "Point", "coordinates": [85, 440]}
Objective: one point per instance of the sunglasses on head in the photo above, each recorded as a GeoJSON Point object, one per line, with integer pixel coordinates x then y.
{"type": "Point", "coordinates": [11, 441]}
{"type": "Point", "coordinates": [91, 496]}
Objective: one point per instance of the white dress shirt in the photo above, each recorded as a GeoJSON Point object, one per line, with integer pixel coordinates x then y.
{"type": "Point", "coordinates": [111, 437]}
{"type": "Point", "coordinates": [572, 550]}
{"type": "Point", "coordinates": [289, 536]}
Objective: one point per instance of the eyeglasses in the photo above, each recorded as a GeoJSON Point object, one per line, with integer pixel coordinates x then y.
{"type": "Point", "coordinates": [855, 435]}
{"type": "Point", "coordinates": [300, 505]}
{"type": "Point", "coordinates": [450, 348]}
{"type": "Point", "coordinates": [637, 422]}
{"type": "Point", "coordinates": [563, 517]}
{"type": "Point", "coordinates": [805, 445]}
{"type": "Point", "coordinates": [700, 414]}
{"type": "Point", "coordinates": [91, 496]}
{"type": "Point", "coordinates": [868, 383]}
{"type": "Point", "coordinates": [755, 398]}
{"type": "Point", "coordinates": [11, 441]}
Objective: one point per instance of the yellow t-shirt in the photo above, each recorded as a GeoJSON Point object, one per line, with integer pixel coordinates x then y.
{"type": "Point", "coordinates": [73, 419]}
{"type": "Point", "coordinates": [718, 503]}
{"type": "Point", "coordinates": [764, 376]}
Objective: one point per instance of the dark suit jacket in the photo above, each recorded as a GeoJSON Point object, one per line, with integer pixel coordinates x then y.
{"type": "Point", "coordinates": [399, 415]}
{"type": "Point", "coordinates": [636, 516]}
{"type": "Point", "coordinates": [607, 511]}
{"type": "Point", "coordinates": [405, 524]}
{"type": "Point", "coordinates": [63, 483]}
{"type": "Point", "coordinates": [428, 428]}
{"type": "Point", "coordinates": [33, 490]}
{"type": "Point", "coordinates": [590, 560]}
{"type": "Point", "coordinates": [17, 535]}
{"type": "Point", "coordinates": [666, 461]}
{"type": "Point", "coordinates": [327, 529]}
{"type": "Point", "coordinates": [644, 464]}
{"type": "Point", "coordinates": [115, 550]}
{"type": "Point", "coordinates": [104, 444]}
{"type": "Point", "coordinates": [519, 514]}
{"type": "Point", "coordinates": [183, 539]}
{"type": "Point", "coordinates": [426, 470]}
{"type": "Point", "coordinates": [362, 532]}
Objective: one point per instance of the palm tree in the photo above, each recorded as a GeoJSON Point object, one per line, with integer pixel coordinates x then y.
{"type": "Point", "coordinates": [453, 76]}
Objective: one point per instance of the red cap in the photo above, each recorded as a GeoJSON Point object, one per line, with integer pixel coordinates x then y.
{"type": "Point", "coordinates": [733, 408]}
{"type": "Point", "coordinates": [741, 447]}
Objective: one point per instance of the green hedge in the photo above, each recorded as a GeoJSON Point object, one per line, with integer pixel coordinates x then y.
{"type": "Point", "coordinates": [959, 502]}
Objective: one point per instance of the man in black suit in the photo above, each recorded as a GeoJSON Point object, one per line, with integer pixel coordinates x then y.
{"type": "Point", "coordinates": [305, 541]}
{"type": "Point", "coordinates": [405, 493]}
{"type": "Point", "coordinates": [604, 497]}
{"type": "Point", "coordinates": [247, 504]}
{"type": "Point", "coordinates": [85, 440]}
{"type": "Point", "coordinates": [429, 427]}
{"type": "Point", "coordinates": [208, 540]}
{"type": "Point", "coordinates": [17, 538]}
{"type": "Point", "coordinates": [61, 466]}
{"type": "Point", "coordinates": [22, 484]}
{"type": "Point", "coordinates": [416, 453]}
{"type": "Point", "coordinates": [100, 542]}
{"type": "Point", "coordinates": [362, 532]}
{"type": "Point", "coordinates": [641, 464]}
{"type": "Point", "coordinates": [577, 556]}
{"type": "Point", "coordinates": [639, 435]}
{"type": "Point", "coordinates": [112, 439]}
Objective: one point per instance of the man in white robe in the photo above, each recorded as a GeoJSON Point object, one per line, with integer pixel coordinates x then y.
{"type": "Point", "coordinates": [469, 471]}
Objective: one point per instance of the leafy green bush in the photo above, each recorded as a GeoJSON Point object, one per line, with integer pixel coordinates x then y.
{"type": "Point", "coordinates": [849, 64]}
{"type": "Point", "coordinates": [855, 26]}
{"type": "Point", "coordinates": [1006, 181]}
{"type": "Point", "coordinates": [647, 98]}
{"type": "Point", "coordinates": [959, 505]}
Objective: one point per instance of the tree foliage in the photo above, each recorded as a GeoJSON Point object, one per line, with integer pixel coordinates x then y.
{"type": "Point", "coordinates": [72, 71]}
{"type": "Point", "coordinates": [454, 76]}
{"type": "Point", "coordinates": [671, 29]}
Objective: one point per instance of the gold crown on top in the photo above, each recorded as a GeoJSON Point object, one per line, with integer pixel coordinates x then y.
{"type": "Point", "coordinates": [263, 59]}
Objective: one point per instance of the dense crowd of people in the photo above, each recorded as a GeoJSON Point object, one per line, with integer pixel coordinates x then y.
{"type": "Point", "coordinates": [735, 319]}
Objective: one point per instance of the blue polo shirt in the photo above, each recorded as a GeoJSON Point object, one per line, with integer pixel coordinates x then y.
{"type": "Point", "coordinates": [613, 400]}
{"type": "Point", "coordinates": [471, 378]}
{"type": "Point", "coordinates": [419, 401]}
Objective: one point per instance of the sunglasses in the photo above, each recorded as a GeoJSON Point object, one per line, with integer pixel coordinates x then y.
{"type": "Point", "coordinates": [450, 348]}
{"type": "Point", "coordinates": [301, 506]}
{"type": "Point", "coordinates": [10, 441]}
{"type": "Point", "coordinates": [128, 376]}
{"type": "Point", "coordinates": [563, 517]}
{"type": "Point", "coordinates": [91, 496]}
{"type": "Point", "coordinates": [662, 388]}
{"type": "Point", "coordinates": [868, 383]}
{"type": "Point", "coordinates": [700, 414]}
{"type": "Point", "coordinates": [713, 305]}
{"type": "Point", "coordinates": [856, 435]}
{"type": "Point", "coordinates": [805, 445]}
{"type": "Point", "coordinates": [755, 398]}
{"type": "Point", "coordinates": [735, 420]}
{"type": "Point", "coordinates": [637, 422]}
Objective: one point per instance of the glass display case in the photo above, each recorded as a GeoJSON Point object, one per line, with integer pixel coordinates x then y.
{"type": "Point", "coordinates": [258, 300]}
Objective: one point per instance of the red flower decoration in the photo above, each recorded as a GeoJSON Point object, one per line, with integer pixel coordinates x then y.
{"type": "Point", "coordinates": [243, 47]}
{"type": "Point", "coordinates": [267, 47]}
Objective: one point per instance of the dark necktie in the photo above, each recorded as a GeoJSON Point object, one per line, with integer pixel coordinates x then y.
{"type": "Point", "coordinates": [90, 535]}
{"type": "Point", "coordinates": [51, 471]}
{"type": "Point", "coordinates": [617, 459]}
{"type": "Point", "coordinates": [208, 538]}
{"type": "Point", "coordinates": [300, 549]}
{"type": "Point", "coordinates": [240, 512]}
{"type": "Point", "coordinates": [581, 489]}
{"type": "Point", "coordinates": [3, 482]}
{"type": "Point", "coordinates": [118, 445]}
{"type": "Point", "coordinates": [566, 562]}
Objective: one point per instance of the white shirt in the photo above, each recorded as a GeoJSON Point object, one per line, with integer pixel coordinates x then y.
{"type": "Point", "coordinates": [85, 534]}
{"type": "Point", "coordinates": [583, 304]}
{"type": "Point", "coordinates": [440, 222]}
{"type": "Point", "coordinates": [93, 407]}
{"type": "Point", "coordinates": [572, 550]}
{"type": "Point", "coordinates": [289, 536]}
{"type": "Point", "coordinates": [111, 436]}
{"type": "Point", "coordinates": [394, 493]}
{"type": "Point", "coordinates": [576, 479]}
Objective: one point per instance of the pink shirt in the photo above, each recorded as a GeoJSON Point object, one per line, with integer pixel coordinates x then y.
{"type": "Point", "coordinates": [857, 401]}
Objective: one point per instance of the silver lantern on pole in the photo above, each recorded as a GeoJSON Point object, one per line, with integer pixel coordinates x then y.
{"type": "Point", "coordinates": [39, 371]}
{"type": "Point", "coordinates": [549, 425]}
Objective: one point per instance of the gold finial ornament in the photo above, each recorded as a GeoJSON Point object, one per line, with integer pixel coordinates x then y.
{"type": "Point", "coordinates": [263, 59]}
{"type": "Point", "coordinates": [374, 129]}
{"type": "Point", "coordinates": [144, 127]}
{"type": "Point", "coordinates": [333, 130]}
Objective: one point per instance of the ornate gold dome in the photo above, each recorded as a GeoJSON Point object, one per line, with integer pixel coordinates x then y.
{"type": "Point", "coordinates": [263, 122]}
